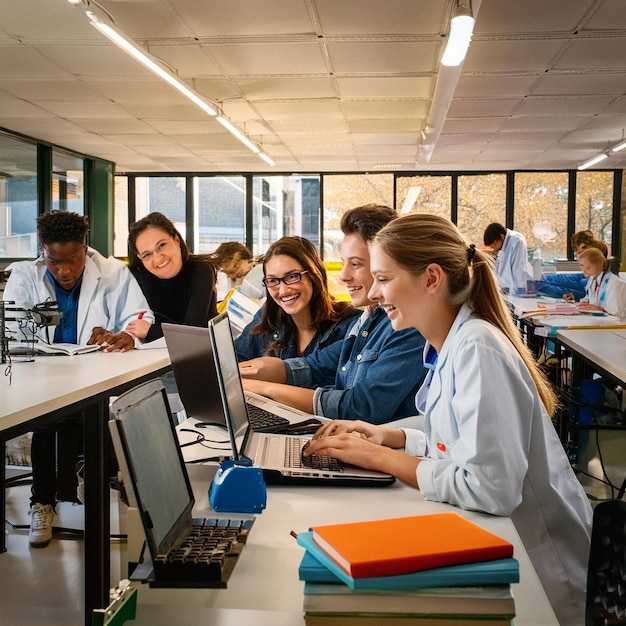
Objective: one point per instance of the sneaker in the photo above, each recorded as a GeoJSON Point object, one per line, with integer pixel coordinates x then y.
{"type": "Point", "coordinates": [41, 516]}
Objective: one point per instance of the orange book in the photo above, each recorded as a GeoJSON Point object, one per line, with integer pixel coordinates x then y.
{"type": "Point", "coordinates": [401, 545]}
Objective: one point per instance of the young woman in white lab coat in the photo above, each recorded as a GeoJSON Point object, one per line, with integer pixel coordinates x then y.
{"type": "Point", "coordinates": [488, 443]}
{"type": "Point", "coordinates": [604, 291]}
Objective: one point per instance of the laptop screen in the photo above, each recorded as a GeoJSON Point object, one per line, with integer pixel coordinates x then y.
{"type": "Point", "coordinates": [191, 353]}
{"type": "Point", "coordinates": [228, 372]}
{"type": "Point", "coordinates": [152, 457]}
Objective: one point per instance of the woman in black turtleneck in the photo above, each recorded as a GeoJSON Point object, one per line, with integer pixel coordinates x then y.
{"type": "Point", "coordinates": [179, 286]}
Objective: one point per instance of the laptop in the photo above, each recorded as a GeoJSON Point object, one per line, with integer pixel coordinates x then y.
{"type": "Point", "coordinates": [157, 484]}
{"type": "Point", "coordinates": [191, 354]}
{"type": "Point", "coordinates": [279, 455]}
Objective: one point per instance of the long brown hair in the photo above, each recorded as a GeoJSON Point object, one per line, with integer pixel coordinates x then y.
{"type": "Point", "coordinates": [324, 307]}
{"type": "Point", "coordinates": [415, 241]}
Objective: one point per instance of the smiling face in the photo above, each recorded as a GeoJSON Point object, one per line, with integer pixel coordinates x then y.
{"type": "Point", "coordinates": [295, 298]}
{"type": "Point", "coordinates": [65, 261]}
{"type": "Point", "coordinates": [397, 290]}
{"type": "Point", "coordinates": [159, 252]}
{"type": "Point", "coordinates": [355, 272]}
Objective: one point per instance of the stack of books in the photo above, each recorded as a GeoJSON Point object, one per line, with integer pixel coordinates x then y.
{"type": "Point", "coordinates": [423, 570]}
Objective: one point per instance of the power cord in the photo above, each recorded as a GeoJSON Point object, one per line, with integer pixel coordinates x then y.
{"type": "Point", "coordinates": [200, 438]}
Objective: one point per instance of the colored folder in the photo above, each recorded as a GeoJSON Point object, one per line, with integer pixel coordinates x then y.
{"type": "Point", "coordinates": [317, 566]}
{"type": "Point", "coordinates": [401, 545]}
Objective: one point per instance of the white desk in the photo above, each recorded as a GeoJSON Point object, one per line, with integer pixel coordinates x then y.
{"type": "Point", "coordinates": [266, 576]}
{"type": "Point", "coordinates": [603, 349]}
{"type": "Point", "coordinates": [53, 386]}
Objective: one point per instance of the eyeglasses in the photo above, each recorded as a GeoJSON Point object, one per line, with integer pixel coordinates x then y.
{"type": "Point", "coordinates": [160, 248]}
{"type": "Point", "coordinates": [289, 279]}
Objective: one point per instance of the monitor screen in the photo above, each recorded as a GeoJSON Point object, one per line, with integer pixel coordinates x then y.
{"type": "Point", "coordinates": [153, 459]}
{"type": "Point", "coordinates": [232, 390]}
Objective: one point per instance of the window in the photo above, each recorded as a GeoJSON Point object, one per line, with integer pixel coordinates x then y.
{"type": "Point", "coordinates": [68, 184]}
{"type": "Point", "coordinates": [424, 194]}
{"type": "Point", "coordinates": [541, 213]}
{"type": "Point", "coordinates": [594, 204]}
{"type": "Point", "coordinates": [481, 201]}
{"type": "Point", "coordinates": [219, 211]}
{"type": "Point", "coordinates": [18, 198]}
{"type": "Point", "coordinates": [346, 191]}
{"type": "Point", "coordinates": [284, 206]}
{"type": "Point", "coordinates": [162, 194]}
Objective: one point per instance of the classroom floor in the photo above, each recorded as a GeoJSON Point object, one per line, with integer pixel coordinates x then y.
{"type": "Point", "coordinates": [44, 586]}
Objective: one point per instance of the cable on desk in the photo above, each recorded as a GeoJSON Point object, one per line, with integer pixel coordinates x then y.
{"type": "Point", "coordinates": [200, 438]}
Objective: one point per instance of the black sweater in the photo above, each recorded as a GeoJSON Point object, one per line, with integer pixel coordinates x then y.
{"type": "Point", "coordinates": [189, 298]}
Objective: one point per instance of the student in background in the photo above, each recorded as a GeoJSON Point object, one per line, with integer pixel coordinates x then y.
{"type": "Point", "coordinates": [512, 267]}
{"type": "Point", "coordinates": [488, 442]}
{"type": "Point", "coordinates": [604, 290]}
{"type": "Point", "coordinates": [300, 314]}
{"type": "Point", "coordinates": [98, 297]}
{"type": "Point", "coordinates": [179, 286]}
{"type": "Point", "coordinates": [374, 373]}
{"type": "Point", "coordinates": [233, 261]}
{"type": "Point", "coordinates": [586, 239]}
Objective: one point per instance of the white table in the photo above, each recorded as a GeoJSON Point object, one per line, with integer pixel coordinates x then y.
{"type": "Point", "coordinates": [266, 577]}
{"type": "Point", "coordinates": [603, 349]}
{"type": "Point", "coordinates": [51, 387]}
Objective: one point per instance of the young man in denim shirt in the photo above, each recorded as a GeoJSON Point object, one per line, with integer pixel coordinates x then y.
{"type": "Point", "coordinates": [374, 373]}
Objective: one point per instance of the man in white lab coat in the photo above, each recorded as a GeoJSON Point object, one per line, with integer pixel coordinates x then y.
{"type": "Point", "coordinates": [512, 267]}
{"type": "Point", "coordinates": [98, 297]}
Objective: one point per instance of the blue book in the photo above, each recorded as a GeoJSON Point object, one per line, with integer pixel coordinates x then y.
{"type": "Point", "coordinates": [317, 566]}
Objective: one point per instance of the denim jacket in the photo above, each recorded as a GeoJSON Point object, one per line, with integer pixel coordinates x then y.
{"type": "Point", "coordinates": [373, 374]}
{"type": "Point", "coordinates": [252, 346]}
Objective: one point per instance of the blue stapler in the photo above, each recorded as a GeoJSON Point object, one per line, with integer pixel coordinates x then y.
{"type": "Point", "coordinates": [238, 487]}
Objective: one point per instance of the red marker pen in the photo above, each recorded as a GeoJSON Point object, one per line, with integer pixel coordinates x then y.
{"type": "Point", "coordinates": [140, 316]}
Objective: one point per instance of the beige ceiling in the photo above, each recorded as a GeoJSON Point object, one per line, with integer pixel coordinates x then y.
{"type": "Point", "coordinates": [322, 85]}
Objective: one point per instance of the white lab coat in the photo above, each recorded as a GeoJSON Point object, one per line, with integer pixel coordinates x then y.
{"type": "Point", "coordinates": [110, 297]}
{"type": "Point", "coordinates": [609, 292]}
{"type": "Point", "coordinates": [512, 267]}
{"type": "Point", "coordinates": [492, 447]}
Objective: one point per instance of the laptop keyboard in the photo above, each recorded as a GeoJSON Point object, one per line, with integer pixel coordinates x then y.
{"type": "Point", "coordinates": [207, 556]}
{"type": "Point", "coordinates": [294, 447]}
{"type": "Point", "coordinates": [260, 419]}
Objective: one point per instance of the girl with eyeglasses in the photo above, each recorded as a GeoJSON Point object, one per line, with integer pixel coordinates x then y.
{"type": "Point", "coordinates": [179, 286]}
{"type": "Point", "coordinates": [299, 314]}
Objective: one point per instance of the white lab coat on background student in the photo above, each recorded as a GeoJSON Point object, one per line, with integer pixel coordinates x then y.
{"type": "Point", "coordinates": [110, 297]}
{"type": "Point", "coordinates": [493, 448]}
{"type": "Point", "coordinates": [512, 266]}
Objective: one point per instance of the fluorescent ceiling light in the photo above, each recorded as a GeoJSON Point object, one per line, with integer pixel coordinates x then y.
{"type": "Point", "coordinates": [461, 29]}
{"type": "Point", "coordinates": [266, 159]}
{"type": "Point", "coordinates": [590, 162]}
{"type": "Point", "coordinates": [137, 53]}
{"type": "Point", "coordinates": [237, 133]}
{"type": "Point", "coordinates": [619, 146]}
{"type": "Point", "coordinates": [156, 66]}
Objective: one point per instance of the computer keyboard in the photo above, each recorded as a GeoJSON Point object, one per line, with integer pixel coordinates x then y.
{"type": "Point", "coordinates": [261, 420]}
{"type": "Point", "coordinates": [206, 556]}
{"type": "Point", "coordinates": [294, 457]}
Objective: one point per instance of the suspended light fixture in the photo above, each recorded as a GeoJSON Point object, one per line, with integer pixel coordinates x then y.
{"type": "Point", "coordinates": [591, 162]}
{"type": "Point", "coordinates": [114, 34]}
{"type": "Point", "coordinates": [460, 35]}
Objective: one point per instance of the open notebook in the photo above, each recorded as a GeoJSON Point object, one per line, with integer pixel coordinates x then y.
{"type": "Point", "coordinates": [184, 551]}
{"type": "Point", "coordinates": [278, 455]}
